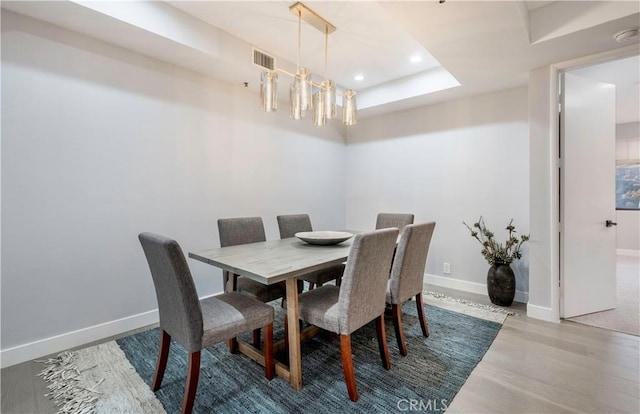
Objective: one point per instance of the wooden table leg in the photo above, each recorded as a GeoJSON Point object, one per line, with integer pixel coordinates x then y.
{"type": "Point", "coordinates": [295, 357]}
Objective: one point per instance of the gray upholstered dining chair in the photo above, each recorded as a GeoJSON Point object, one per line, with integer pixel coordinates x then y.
{"type": "Point", "coordinates": [244, 230]}
{"type": "Point", "coordinates": [398, 220]}
{"type": "Point", "coordinates": [359, 299]}
{"type": "Point", "coordinates": [196, 324]}
{"type": "Point", "coordinates": [407, 274]}
{"type": "Point", "coordinates": [289, 225]}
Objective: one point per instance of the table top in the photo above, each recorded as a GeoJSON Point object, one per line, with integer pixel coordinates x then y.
{"type": "Point", "coordinates": [273, 261]}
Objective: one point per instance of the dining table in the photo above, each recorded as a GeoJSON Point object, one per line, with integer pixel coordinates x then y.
{"type": "Point", "coordinates": [272, 262]}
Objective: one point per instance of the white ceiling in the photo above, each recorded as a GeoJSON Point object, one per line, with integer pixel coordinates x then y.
{"type": "Point", "coordinates": [366, 41]}
{"type": "Point", "coordinates": [468, 47]}
{"type": "Point", "coordinates": [532, 5]}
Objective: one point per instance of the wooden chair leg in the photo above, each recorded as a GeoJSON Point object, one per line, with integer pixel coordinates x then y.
{"type": "Point", "coordinates": [382, 342]}
{"type": "Point", "coordinates": [269, 364]}
{"type": "Point", "coordinates": [233, 345]}
{"type": "Point", "coordinates": [396, 313]}
{"type": "Point", "coordinates": [311, 285]}
{"type": "Point", "coordinates": [192, 382]}
{"type": "Point", "coordinates": [163, 355]}
{"type": "Point", "coordinates": [423, 319]}
{"type": "Point", "coordinates": [347, 367]}
{"type": "Point", "coordinates": [256, 338]}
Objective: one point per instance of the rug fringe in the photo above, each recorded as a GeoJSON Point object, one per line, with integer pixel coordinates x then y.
{"type": "Point", "coordinates": [489, 308]}
{"type": "Point", "coordinates": [69, 389]}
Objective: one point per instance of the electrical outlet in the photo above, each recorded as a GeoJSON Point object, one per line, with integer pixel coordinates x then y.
{"type": "Point", "coordinates": [446, 268]}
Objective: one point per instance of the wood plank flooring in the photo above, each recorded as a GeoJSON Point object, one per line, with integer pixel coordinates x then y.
{"type": "Point", "coordinates": [540, 367]}
{"type": "Point", "coordinates": [532, 367]}
{"type": "Point", "coordinates": [22, 391]}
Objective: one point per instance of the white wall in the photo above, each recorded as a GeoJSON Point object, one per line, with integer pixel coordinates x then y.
{"type": "Point", "coordinates": [448, 162]}
{"type": "Point", "coordinates": [628, 231]}
{"type": "Point", "coordinates": [99, 144]}
{"type": "Point", "coordinates": [628, 148]}
{"type": "Point", "coordinates": [543, 199]}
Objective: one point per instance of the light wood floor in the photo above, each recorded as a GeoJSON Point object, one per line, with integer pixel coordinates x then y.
{"type": "Point", "coordinates": [532, 367]}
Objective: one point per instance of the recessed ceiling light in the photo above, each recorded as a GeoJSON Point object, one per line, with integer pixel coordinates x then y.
{"type": "Point", "coordinates": [416, 59]}
{"type": "Point", "coordinates": [626, 35]}
{"type": "Point", "coordinates": [358, 77]}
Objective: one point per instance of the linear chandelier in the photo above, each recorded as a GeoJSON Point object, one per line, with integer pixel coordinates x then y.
{"type": "Point", "coordinates": [305, 94]}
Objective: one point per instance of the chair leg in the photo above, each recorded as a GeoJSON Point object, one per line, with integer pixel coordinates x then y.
{"type": "Point", "coordinates": [311, 285]}
{"type": "Point", "coordinates": [330, 335]}
{"type": "Point", "coordinates": [163, 355]}
{"type": "Point", "coordinates": [396, 313]}
{"type": "Point", "coordinates": [192, 382]}
{"type": "Point", "coordinates": [423, 319]}
{"type": "Point", "coordinates": [269, 364]}
{"type": "Point", "coordinates": [382, 342]}
{"type": "Point", "coordinates": [256, 338]}
{"type": "Point", "coordinates": [233, 345]}
{"type": "Point", "coordinates": [347, 367]}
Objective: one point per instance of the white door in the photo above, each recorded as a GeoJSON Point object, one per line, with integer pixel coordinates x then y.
{"type": "Point", "coordinates": [588, 245]}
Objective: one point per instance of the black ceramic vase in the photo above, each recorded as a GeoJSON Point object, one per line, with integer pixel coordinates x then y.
{"type": "Point", "coordinates": [501, 284]}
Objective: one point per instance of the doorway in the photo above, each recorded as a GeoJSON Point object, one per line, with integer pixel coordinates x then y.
{"type": "Point", "coordinates": [624, 265]}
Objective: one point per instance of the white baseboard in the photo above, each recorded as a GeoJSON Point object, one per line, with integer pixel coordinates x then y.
{"type": "Point", "coordinates": [543, 313]}
{"type": "Point", "coordinates": [466, 286]}
{"type": "Point", "coordinates": [628, 252]}
{"type": "Point", "coordinates": [59, 343]}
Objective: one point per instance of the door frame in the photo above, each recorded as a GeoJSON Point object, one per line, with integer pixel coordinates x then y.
{"type": "Point", "coordinates": [557, 185]}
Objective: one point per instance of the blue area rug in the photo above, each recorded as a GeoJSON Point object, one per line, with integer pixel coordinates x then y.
{"type": "Point", "coordinates": [428, 377]}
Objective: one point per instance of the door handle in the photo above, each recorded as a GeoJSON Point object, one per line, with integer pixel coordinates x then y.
{"type": "Point", "coordinates": [610, 223]}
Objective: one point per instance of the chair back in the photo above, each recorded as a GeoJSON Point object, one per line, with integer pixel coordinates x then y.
{"type": "Point", "coordinates": [407, 272]}
{"type": "Point", "coordinates": [291, 224]}
{"type": "Point", "coordinates": [242, 230]}
{"type": "Point", "coordinates": [386, 220]}
{"type": "Point", "coordinates": [178, 303]}
{"type": "Point", "coordinates": [364, 283]}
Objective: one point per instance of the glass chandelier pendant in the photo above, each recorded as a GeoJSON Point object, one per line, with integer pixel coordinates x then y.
{"type": "Point", "coordinates": [349, 108]}
{"type": "Point", "coordinates": [319, 108]}
{"type": "Point", "coordinates": [269, 91]}
{"type": "Point", "coordinates": [303, 77]}
{"type": "Point", "coordinates": [295, 109]}
{"type": "Point", "coordinates": [329, 99]}
{"type": "Point", "coordinates": [323, 103]}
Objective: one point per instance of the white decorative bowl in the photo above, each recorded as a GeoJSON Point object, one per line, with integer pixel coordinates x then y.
{"type": "Point", "coordinates": [324, 238]}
